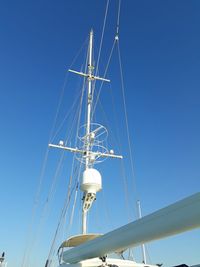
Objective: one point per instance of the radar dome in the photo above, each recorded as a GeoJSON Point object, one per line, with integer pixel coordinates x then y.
{"type": "Point", "coordinates": [91, 182]}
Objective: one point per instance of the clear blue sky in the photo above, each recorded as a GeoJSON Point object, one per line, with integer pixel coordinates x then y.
{"type": "Point", "coordinates": [160, 49]}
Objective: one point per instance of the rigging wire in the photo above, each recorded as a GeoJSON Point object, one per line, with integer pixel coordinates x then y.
{"type": "Point", "coordinates": [25, 255]}
{"type": "Point", "coordinates": [73, 207]}
{"type": "Point", "coordinates": [52, 188]}
{"type": "Point", "coordinates": [47, 201]}
{"type": "Point", "coordinates": [147, 251]}
{"type": "Point", "coordinates": [37, 235]}
{"type": "Point", "coordinates": [66, 117]}
{"type": "Point", "coordinates": [102, 36]}
{"type": "Point", "coordinates": [78, 127]}
{"type": "Point", "coordinates": [125, 182]}
{"type": "Point", "coordinates": [119, 145]}
{"type": "Point", "coordinates": [98, 95]}
{"type": "Point", "coordinates": [64, 86]}
{"type": "Point", "coordinates": [107, 211]}
{"type": "Point", "coordinates": [68, 228]}
{"type": "Point", "coordinates": [100, 48]}
{"type": "Point", "coordinates": [37, 196]}
{"type": "Point", "coordinates": [126, 116]}
{"type": "Point", "coordinates": [105, 72]}
{"type": "Point", "coordinates": [124, 103]}
{"type": "Point", "coordinates": [51, 191]}
{"type": "Point", "coordinates": [118, 17]}
{"type": "Point", "coordinates": [63, 215]}
{"type": "Point", "coordinates": [60, 220]}
{"type": "Point", "coordinates": [116, 40]}
{"type": "Point", "coordinates": [126, 121]}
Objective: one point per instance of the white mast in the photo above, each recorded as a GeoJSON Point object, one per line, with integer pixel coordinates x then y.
{"type": "Point", "coordinates": [89, 99]}
{"type": "Point", "coordinates": [88, 142]}
{"type": "Point", "coordinates": [89, 156]}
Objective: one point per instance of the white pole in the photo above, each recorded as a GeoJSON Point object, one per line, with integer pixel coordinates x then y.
{"type": "Point", "coordinates": [142, 246]}
{"type": "Point", "coordinates": [89, 98]}
{"type": "Point", "coordinates": [89, 106]}
{"type": "Point", "coordinates": [84, 222]}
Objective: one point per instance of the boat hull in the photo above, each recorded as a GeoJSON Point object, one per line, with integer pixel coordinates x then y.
{"type": "Point", "coordinates": [96, 262]}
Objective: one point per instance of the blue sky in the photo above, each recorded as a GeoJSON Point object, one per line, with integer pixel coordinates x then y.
{"type": "Point", "coordinates": [159, 43]}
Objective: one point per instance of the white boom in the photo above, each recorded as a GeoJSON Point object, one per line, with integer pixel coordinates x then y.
{"type": "Point", "coordinates": [174, 219]}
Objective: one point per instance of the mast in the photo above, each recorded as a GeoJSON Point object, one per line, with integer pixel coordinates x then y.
{"type": "Point", "coordinates": [92, 150]}
{"type": "Point", "coordinates": [89, 99]}
{"type": "Point", "coordinates": [88, 142]}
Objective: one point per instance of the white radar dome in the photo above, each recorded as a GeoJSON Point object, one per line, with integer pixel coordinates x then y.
{"type": "Point", "coordinates": [91, 182]}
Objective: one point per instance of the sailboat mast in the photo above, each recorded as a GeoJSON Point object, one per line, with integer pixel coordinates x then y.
{"type": "Point", "coordinates": [89, 99]}
{"type": "Point", "coordinates": [91, 181]}
{"type": "Point", "coordinates": [89, 107]}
